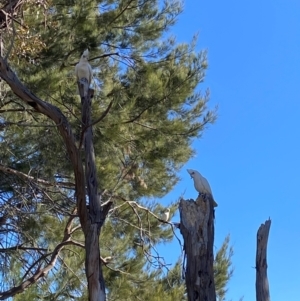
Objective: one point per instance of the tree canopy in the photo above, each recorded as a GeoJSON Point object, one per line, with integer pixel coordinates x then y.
{"type": "Point", "coordinates": [146, 112]}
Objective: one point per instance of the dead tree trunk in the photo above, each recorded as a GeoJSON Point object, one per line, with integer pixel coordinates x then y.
{"type": "Point", "coordinates": [96, 284]}
{"type": "Point", "coordinates": [262, 284]}
{"type": "Point", "coordinates": [91, 220]}
{"type": "Point", "coordinates": [197, 229]}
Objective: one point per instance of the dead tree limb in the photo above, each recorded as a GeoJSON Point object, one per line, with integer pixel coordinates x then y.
{"type": "Point", "coordinates": [262, 284]}
{"type": "Point", "coordinates": [97, 214]}
{"type": "Point", "coordinates": [197, 229]}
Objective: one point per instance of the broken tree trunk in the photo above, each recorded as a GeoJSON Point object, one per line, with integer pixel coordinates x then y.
{"type": "Point", "coordinates": [262, 284]}
{"type": "Point", "coordinates": [197, 229]}
{"type": "Point", "coordinates": [97, 214]}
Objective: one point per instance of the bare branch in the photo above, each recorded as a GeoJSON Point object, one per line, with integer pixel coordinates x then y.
{"type": "Point", "coordinates": [21, 247]}
{"type": "Point", "coordinates": [42, 272]}
{"type": "Point", "coordinates": [22, 175]}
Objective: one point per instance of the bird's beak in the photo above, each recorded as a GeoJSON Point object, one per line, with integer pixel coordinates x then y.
{"type": "Point", "coordinates": [189, 171]}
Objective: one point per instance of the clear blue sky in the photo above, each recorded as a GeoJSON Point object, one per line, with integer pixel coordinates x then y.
{"type": "Point", "coordinates": [251, 154]}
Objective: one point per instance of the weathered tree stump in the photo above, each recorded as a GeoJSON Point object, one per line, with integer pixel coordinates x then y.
{"type": "Point", "coordinates": [262, 284]}
{"type": "Point", "coordinates": [197, 229]}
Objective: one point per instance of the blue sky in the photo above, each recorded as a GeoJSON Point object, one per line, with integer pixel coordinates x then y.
{"type": "Point", "coordinates": [251, 154]}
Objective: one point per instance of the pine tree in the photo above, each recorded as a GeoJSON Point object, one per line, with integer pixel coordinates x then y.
{"type": "Point", "coordinates": [145, 115]}
{"type": "Point", "coordinates": [223, 268]}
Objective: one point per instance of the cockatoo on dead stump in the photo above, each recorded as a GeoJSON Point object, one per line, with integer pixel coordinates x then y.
{"type": "Point", "coordinates": [84, 74]}
{"type": "Point", "coordinates": [201, 184]}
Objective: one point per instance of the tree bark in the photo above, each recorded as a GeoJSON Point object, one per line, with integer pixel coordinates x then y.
{"type": "Point", "coordinates": [96, 285]}
{"type": "Point", "coordinates": [262, 284]}
{"type": "Point", "coordinates": [197, 229]}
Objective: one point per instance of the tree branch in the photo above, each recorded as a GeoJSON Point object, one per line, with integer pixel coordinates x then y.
{"type": "Point", "coordinates": [41, 272]}
{"type": "Point", "coordinates": [22, 175]}
{"type": "Point", "coordinates": [64, 128]}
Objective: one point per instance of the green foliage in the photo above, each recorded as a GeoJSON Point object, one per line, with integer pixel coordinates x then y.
{"type": "Point", "coordinates": [148, 286]}
{"type": "Point", "coordinates": [223, 268]}
{"type": "Point", "coordinates": [149, 83]}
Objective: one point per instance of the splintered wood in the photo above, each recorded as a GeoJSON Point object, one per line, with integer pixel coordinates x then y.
{"type": "Point", "coordinates": [262, 284]}
{"type": "Point", "coordinates": [197, 229]}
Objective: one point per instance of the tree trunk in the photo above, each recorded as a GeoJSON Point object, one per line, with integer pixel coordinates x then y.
{"type": "Point", "coordinates": [197, 229]}
{"type": "Point", "coordinates": [262, 284]}
{"type": "Point", "coordinates": [91, 220]}
{"type": "Point", "coordinates": [96, 285]}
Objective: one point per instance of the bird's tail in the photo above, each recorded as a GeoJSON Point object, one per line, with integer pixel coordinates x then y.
{"type": "Point", "coordinates": [83, 87]}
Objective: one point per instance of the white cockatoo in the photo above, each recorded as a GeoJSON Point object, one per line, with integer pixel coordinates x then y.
{"type": "Point", "coordinates": [83, 69]}
{"type": "Point", "coordinates": [201, 184]}
{"type": "Point", "coordinates": [166, 215]}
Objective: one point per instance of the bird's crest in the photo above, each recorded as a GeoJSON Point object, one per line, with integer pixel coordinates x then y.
{"type": "Point", "coordinates": [85, 54]}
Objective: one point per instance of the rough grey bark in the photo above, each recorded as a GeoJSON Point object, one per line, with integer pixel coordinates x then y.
{"type": "Point", "coordinates": [96, 285]}
{"type": "Point", "coordinates": [262, 284]}
{"type": "Point", "coordinates": [92, 220]}
{"type": "Point", "coordinates": [197, 229]}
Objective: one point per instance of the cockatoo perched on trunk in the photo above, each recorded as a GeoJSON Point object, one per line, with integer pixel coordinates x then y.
{"type": "Point", "coordinates": [83, 71]}
{"type": "Point", "coordinates": [201, 184]}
